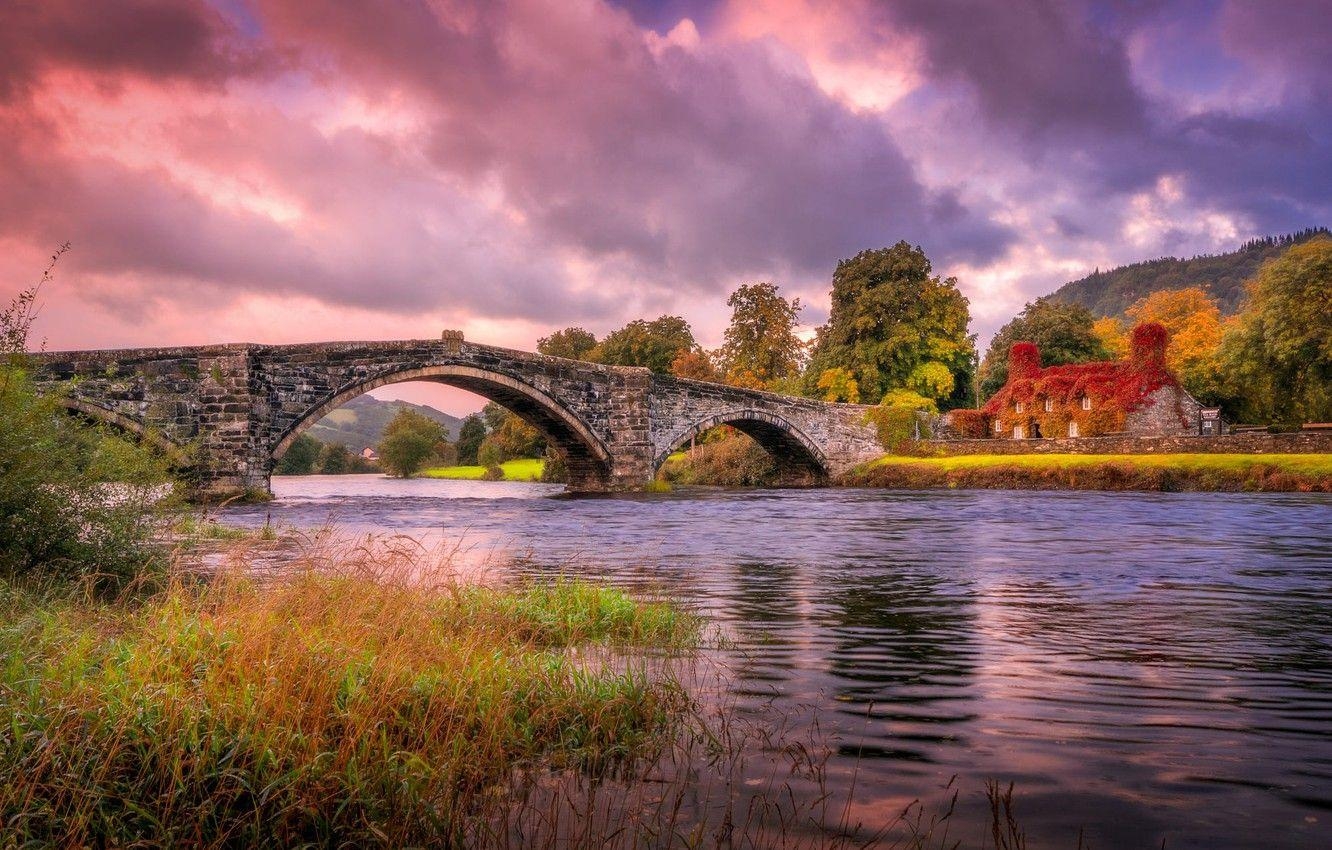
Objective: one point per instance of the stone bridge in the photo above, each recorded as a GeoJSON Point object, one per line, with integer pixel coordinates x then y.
{"type": "Point", "coordinates": [228, 412]}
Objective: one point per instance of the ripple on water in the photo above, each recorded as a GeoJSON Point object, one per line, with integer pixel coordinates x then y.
{"type": "Point", "coordinates": [1144, 666]}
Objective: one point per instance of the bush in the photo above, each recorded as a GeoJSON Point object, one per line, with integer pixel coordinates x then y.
{"type": "Point", "coordinates": [896, 418]}
{"type": "Point", "coordinates": [735, 461]}
{"type": "Point", "coordinates": [971, 424]}
{"type": "Point", "coordinates": [76, 501]}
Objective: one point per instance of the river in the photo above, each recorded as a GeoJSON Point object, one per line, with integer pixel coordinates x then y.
{"type": "Point", "coordinates": [1144, 667]}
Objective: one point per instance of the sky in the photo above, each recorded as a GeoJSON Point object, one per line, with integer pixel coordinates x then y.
{"type": "Point", "coordinates": [280, 171]}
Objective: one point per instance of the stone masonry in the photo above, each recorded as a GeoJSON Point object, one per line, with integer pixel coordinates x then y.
{"type": "Point", "coordinates": [226, 413]}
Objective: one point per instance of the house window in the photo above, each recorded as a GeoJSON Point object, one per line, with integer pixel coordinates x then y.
{"type": "Point", "coordinates": [1018, 433]}
{"type": "Point", "coordinates": [998, 427]}
{"type": "Point", "coordinates": [1018, 407]}
{"type": "Point", "coordinates": [1072, 429]}
{"type": "Point", "coordinates": [1086, 402]}
{"type": "Point", "coordinates": [1049, 405]}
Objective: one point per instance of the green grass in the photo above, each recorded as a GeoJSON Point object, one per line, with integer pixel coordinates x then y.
{"type": "Point", "coordinates": [1300, 464]}
{"type": "Point", "coordinates": [522, 469]}
{"type": "Point", "coordinates": [327, 709]}
{"type": "Point", "coordinates": [1167, 472]}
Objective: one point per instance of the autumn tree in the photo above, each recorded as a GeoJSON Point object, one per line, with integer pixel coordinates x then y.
{"type": "Point", "coordinates": [1277, 356]}
{"type": "Point", "coordinates": [653, 345]}
{"type": "Point", "coordinates": [408, 442]}
{"type": "Point", "coordinates": [1194, 321]}
{"type": "Point", "coordinates": [509, 435]}
{"type": "Point", "coordinates": [571, 343]}
{"type": "Point", "coordinates": [890, 320]}
{"type": "Point", "coordinates": [1063, 333]}
{"type": "Point", "coordinates": [761, 343]}
{"type": "Point", "coordinates": [696, 364]}
{"type": "Point", "coordinates": [1112, 335]}
{"type": "Point", "coordinates": [838, 384]}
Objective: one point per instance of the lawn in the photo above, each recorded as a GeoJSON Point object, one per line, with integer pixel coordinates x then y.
{"type": "Point", "coordinates": [522, 469]}
{"type": "Point", "coordinates": [1300, 464]}
{"type": "Point", "coordinates": [1199, 472]}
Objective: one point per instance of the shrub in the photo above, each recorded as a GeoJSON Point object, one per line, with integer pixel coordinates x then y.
{"type": "Point", "coordinates": [971, 424]}
{"type": "Point", "coordinates": [76, 501]}
{"type": "Point", "coordinates": [895, 418]}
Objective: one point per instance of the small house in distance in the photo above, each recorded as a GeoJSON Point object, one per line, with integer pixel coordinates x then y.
{"type": "Point", "coordinates": [1138, 396]}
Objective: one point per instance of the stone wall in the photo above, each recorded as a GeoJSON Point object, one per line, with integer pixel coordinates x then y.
{"type": "Point", "coordinates": [1306, 442]}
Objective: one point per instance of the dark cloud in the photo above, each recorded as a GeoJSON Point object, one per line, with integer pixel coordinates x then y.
{"type": "Point", "coordinates": [153, 39]}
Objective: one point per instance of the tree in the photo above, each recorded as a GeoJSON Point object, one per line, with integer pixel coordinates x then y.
{"type": "Point", "coordinates": [1194, 322]}
{"type": "Point", "coordinates": [654, 344]}
{"type": "Point", "coordinates": [1113, 338]}
{"type": "Point", "coordinates": [408, 443]}
{"type": "Point", "coordinates": [301, 456]}
{"type": "Point", "coordinates": [889, 318]}
{"type": "Point", "coordinates": [695, 364]}
{"type": "Point", "coordinates": [1277, 356]}
{"type": "Point", "coordinates": [761, 341]}
{"type": "Point", "coordinates": [572, 343]}
{"type": "Point", "coordinates": [1062, 332]}
{"type": "Point", "coordinates": [838, 384]}
{"type": "Point", "coordinates": [470, 435]}
{"type": "Point", "coordinates": [337, 459]}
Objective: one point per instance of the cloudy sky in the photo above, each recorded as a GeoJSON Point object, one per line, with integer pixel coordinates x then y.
{"type": "Point", "coordinates": [296, 170]}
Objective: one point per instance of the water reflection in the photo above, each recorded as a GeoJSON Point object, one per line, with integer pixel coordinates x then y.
{"type": "Point", "coordinates": [1145, 667]}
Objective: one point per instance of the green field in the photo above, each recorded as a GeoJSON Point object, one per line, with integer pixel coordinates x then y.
{"type": "Point", "coordinates": [1300, 464]}
{"type": "Point", "coordinates": [522, 469]}
{"type": "Point", "coordinates": [1163, 472]}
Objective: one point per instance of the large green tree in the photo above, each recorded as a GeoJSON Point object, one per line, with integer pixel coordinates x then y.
{"type": "Point", "coordinates": [1277, 356]}
{"type": "Point", "coordinates": [300, 457]}
{"type": "Point", "coordinates": [409, 441]}
{"type": "Point", "coordinates": [653, 344]}
{"type": "Point", "coordinates": [1063, 332]}
{"type": "Point", "coordinates": [761, 342]}
{"type": "Point", "coordinates": [894, 325]}
{"type": "Point", "coordinates": [573, 343]}
{"type": "Point", "coordinates": [470, 435]}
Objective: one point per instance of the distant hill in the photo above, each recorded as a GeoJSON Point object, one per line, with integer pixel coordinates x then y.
{"type": "Point", "coordinates": [1110, 293]}
{"type": "Point", "coordinates": [360, 422]}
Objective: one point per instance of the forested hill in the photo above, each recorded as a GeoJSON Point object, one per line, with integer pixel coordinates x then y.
{"type": "Point", "coordinates": [360, 422]}
{"type": "Point", "coordinates": [1110, 293]}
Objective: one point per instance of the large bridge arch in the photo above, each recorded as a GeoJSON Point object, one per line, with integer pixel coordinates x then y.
{"type": "Point", "coordinates": [586, 456]}
{"type": "Point", "coordinates": [795, 453]}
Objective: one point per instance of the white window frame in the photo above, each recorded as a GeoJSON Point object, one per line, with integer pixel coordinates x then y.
{"type": "Point", "coordinates": [1072, 428]}
{"type": "Point", "coordinates": [1019, 433]}
{"type": "Point", "coordinates": [1018, 407]}
{"type": "Point", "coordinates": [998, 427]}
{"type": "Point", "coordinates": [1086, 402]}
{"type": "Point", "coordinates": [1049, 405]}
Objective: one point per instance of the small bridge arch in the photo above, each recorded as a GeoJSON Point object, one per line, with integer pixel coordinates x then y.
{"type": "Point", "coordinates": [795, 453]}
{"type": "Point", "coordinates": [586, 456]}
{"type": "Point", "coordinates": [131, 428]}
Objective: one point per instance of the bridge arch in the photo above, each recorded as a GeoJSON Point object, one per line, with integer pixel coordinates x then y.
{"type": "Point", "coordinates": [795, 453]}
{"type": "Point", "coordinates": [128, 426]}
{"type": "Point", "coordinates": [586, 456]}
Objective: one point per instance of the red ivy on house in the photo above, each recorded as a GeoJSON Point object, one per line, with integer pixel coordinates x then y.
{"type": "Point", "coordinates": [1045, 400]}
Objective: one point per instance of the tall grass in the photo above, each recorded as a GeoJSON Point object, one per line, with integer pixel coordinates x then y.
{"type": "Point", "coordinates": [328, 707]}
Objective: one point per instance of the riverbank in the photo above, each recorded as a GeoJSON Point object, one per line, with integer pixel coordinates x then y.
{"type": "Point", "coordinates": [520, 469]}
{"type": "Point", "coordinates": [1154, 472]}
{"type": "Point", "coordinates": [348, 703]}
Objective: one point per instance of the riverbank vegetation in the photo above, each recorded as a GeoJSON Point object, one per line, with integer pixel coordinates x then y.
{"type": "Point", "coordinates": [342, 704]}
{"type": "Point", "coordinates": [1163, 472]}
{"type": "Point", "coordinates": [520, 469]}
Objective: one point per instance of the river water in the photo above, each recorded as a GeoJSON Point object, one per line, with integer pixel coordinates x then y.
{"type": "Point", "coordinates": [1144, 667]}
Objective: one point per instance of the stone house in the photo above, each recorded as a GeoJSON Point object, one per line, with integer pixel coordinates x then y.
{"type": "Point", "coordinates": [1138, 396]}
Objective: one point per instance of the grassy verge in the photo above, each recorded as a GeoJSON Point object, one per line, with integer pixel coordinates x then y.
{"type": "Point", "coordinates": [1167, 472]}
{"type": "Point", "coordinates": [325, 709]}
{"type": "Point", "coordinates": [522, 469]}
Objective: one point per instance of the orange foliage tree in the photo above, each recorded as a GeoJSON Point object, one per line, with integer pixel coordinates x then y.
{"type": "Point", "coordinates": [1193, 321]}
